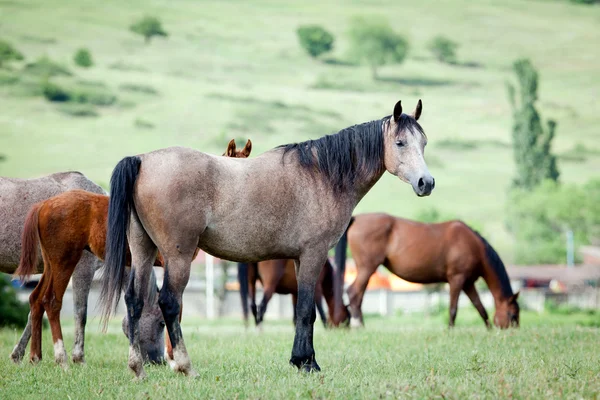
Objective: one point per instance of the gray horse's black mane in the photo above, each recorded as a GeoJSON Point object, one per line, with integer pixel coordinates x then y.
{"type": "Point", "coordinates": [354, 152]}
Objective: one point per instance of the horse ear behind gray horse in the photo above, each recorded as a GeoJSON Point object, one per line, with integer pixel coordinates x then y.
{"type": "Point", "coordinates": [298, 200]}
{"type": "Point", "coordinates": [17, 196]}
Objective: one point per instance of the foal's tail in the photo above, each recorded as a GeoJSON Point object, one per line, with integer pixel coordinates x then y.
{"type": "Point", "coordinates": [340, 264]}
{"type": "Point", "coordinates": [243, 281]}
{"type": "Point", "coordinates": [30, 239]}
{"type": "Point", "coordinates": [119, 211]}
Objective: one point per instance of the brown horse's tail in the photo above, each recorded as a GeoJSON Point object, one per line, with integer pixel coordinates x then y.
{"type": "Point", "coordinates": [243, 281]}
{"type": "Point", "coordinates": [495, 264]}
{"type": "Point", "coordinates": [340, 264]}
{"type": "Point", "coordinates": [30, 239]}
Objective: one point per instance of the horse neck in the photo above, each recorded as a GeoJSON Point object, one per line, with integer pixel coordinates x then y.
{"type": "Point", "coordinates": [362, 187]}
{"type": "Point", "coordinates": [494, 284]}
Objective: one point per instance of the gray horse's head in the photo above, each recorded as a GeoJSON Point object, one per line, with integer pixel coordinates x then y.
{"type": "Point", "coordinates": [152, 337]}
{"type": "Point", "coordinates": [404, 142]}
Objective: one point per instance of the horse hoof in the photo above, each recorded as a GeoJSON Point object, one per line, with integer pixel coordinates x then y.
{"type": "Point", "coordinates": [356, 323]}
{"type": "Point", "coordinates": [305, 365]}
{"type": "Point", "coordinates": [17, 356]}
{"type": "Point", "coordinates": [35, 360]}
{"type": "Point", "coordinates": [78, 359]}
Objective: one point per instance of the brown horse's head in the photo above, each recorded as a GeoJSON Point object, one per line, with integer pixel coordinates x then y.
{"type": "Point", "coordinates": [507, 312]}
{"type": "Point", "coordinates": [243, 153]}
{"type": "Point", "coordinates": [404, 142]}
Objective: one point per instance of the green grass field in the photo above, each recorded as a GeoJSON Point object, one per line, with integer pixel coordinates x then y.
{"type": "Point", "coordinates": [399, 357]}
{"type": "Point", "coordinates": [235, 69]}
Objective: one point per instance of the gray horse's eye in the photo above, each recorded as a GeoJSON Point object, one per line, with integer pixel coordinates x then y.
{"type": "Point", "coordinates": [400, 143]}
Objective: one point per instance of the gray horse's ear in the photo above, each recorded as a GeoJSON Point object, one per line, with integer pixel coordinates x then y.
{"type": "Point", "coordinates": [397, 111]}
{"type": "Point", "coordinates": [230, 148]}
{"type": "Point", "coordinates": [417, 113]}
{"type": "Point", "coordinates": [247, 148]}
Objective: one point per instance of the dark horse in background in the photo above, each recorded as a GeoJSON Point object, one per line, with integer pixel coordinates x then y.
{"type": "Point", "coordinates": [279, 276]}
{"type": "Point", "coordinates": [297, 203]}
{"type": "Point", "coordinates": [427, 253]}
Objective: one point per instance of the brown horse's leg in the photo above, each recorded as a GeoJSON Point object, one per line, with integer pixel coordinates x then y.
{"type": "Point", "coordinates": [356, 292]}
{"type": "Point", "coordinates": [252, 277]}
{"type": "Point", "coordinates": [37, 314]}
{"type": "Point", "coordinates": [262, 308]}
{"type": "Point", "coordinates": [456, 286]}
{"type": "Point", "coordinates": [319, 304]}
{"type": "Point", "coordinates": [307, 271]}
{"type": "Point", "coordinates": [82, 282]}
{"type": "Point", "coordinates": [470, 290]}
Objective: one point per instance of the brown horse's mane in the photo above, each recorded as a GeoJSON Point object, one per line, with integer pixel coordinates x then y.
{"type": "Point", "coordinates": [356, 151]}
{"type": "Point", "coordinates": [497, 265]}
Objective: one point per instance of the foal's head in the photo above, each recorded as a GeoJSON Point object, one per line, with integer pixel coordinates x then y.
{"type": "Point", "coordinates": [507, 312]}
{"type": "Point", "coordinates": [404, 142]}
{"type": "Point", "coordinates": [243, 153]}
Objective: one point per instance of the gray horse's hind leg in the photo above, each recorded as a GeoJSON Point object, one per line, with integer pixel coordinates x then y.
{"type": "Point", "coordinates": [19, 351]}
{"type": "Point", "coordinates": [82, 281]}
{"type": "Point", "coordinates": [307, 272]}
{"type": "Point", "coordinates": [177, 274]}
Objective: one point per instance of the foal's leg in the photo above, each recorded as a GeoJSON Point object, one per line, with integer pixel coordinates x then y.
{"type": "Point", "coordinates": [319, 304]}
{"type": "Point", "coordinates": [37, 313]}
{"type": "Point", "coordinates": [470, 290]}
{"type": "Point", "coordinates": [262, 308]}
{"type": "Point", "coordinates": [252, 290]}
{"type": "Point", "coordinates": [177, 274]}
{"type": "Point", "coordinates": [307, 272]}
{"type": "Point", "coordinates": [82, 282]}
{"type": "Point", "coordinates": [356, 292]}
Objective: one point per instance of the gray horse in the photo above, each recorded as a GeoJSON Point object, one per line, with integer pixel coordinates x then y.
{"type": "Point", "coordinates": [16, 198]}
{"type": "Point", "coordinates": [297, 202]}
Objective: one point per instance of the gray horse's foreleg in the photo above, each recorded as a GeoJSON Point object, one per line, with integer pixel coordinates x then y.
{"type": "Point", "coordinates": [19, 351]}
{"type": "Point", "coordinates": [307, 272]}
{"type": "Point", "coordinates": [82, 282]}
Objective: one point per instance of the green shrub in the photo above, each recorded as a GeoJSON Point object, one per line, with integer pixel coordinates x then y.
{"type": "Point", "coordinates": [83, 58]}
{"type": "Point", "coordinates": [8, 78]}
{"type": "Point", "coordinates": [138, 88]}
{"type": "Point", "coordinates": [584, 1]}
{"type": "Point", "coordinates": [8, 53]}
{"type": "Point", "coordinates": [374, 42]}
{"type": "Point", "coordinates": [148, 27]}
{"type": "Point", "coordinates": [13, 312]}
{"type": "Point", "coordinates": [53, 92]}
{"type": "Point", "coordinates": [47, 68]}
{"type": "Point", "coordinates": [315, 39]}
{"type": "Point", "coordinates": [443, 49]}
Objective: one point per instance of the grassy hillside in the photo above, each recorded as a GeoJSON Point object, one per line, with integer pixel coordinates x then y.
{"type": "Point", "coordinates": [235, 69]}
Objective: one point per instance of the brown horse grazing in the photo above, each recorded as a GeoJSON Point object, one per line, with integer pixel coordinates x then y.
{"type": "Point", "coordinates": [427, 253]}
{"type": "Point", "coordinates": [297, 202]}
{"type": "Point", "coordinates": [64, 227]}
{"type": "Point", "coordinates": [279, 276]}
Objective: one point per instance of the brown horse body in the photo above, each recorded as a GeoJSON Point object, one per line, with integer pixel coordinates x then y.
{"type": "Point", "coordinates": [279, 276]}
{"type": "Point", "coordinates": [64, 227]}
{"type": "Point", "coordinates": [428, 253]}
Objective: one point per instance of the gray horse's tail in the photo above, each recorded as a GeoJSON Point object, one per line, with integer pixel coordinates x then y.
{"type": "Point", "coordinates": [119, 211]}
{"type": "Point", "coordinates": [340, 267]}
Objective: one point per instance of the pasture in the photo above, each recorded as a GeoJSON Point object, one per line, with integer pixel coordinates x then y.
{"type": "Point", "coordinates": [407, 356]}
{"type": "Point", "coordinates": [235, 69]}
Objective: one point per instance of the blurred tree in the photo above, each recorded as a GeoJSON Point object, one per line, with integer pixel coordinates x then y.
{"type": "Point", "coordinates": [443, 49]}
{"type": "Point", "coordinates": [83, 58]}
{"type": "Point", "coordinates": [148, 27]}
{"type": "Point", "coordinates": [8, 53]}
{"type": "Point", "coordinates": [531, 143]}
{"type": "Point", "coordinates": [13, 312]}
{"type": "Point", "coordinates": [540, 217]}
{"type": "Point", "coordinates": [315, 40]}
{"type": "Point", "coordinates": [374, 42]}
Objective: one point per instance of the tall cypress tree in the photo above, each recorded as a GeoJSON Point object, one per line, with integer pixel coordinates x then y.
{"type": "Point", "coordinates": [531, 142]}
